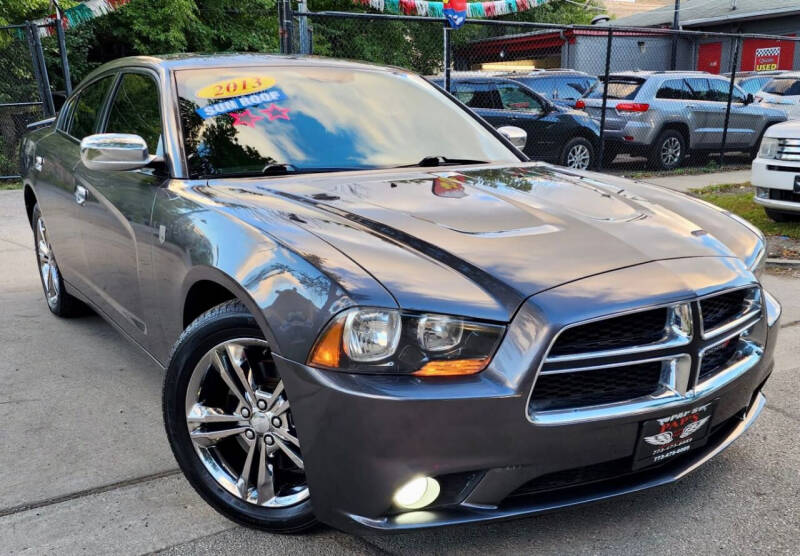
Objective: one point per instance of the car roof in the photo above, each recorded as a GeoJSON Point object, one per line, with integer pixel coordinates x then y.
{"type": "Point", "coordinates": [176, 62]}
{"type": "Point", "coordinates": [544, 73]}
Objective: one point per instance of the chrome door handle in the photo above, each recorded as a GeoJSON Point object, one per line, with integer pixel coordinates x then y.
{"type": "Point", "coordinates": [80, 194]}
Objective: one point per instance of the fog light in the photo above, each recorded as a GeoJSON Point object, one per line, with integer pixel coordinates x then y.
{"type": "Point", "coordinates": [417, 493]}
{"type": "Point", "coordinates": [762, 192]}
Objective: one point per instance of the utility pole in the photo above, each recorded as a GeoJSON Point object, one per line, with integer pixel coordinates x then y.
{"type": "Point", "coordinates": [676, 21]}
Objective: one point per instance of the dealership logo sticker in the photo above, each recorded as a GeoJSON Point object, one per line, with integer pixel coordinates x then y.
{"type": "Point", "coordinates": [767, 58]}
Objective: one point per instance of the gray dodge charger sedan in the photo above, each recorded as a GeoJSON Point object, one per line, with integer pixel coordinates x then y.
{"type": "Point", "coordinates": [374, 312]}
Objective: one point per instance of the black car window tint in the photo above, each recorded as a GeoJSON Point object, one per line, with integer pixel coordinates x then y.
{"type": "Point", "coordinates": [478, 95]}
{"type": "Point", "coordinates": [514, 97]}
{"type": "Point", "coordinates": [674, 89]}
{"type": "Point", "coordinates": [87, 108]}
{"type": "Point", "coordinates": [571, 87]}
{"type": "Point", "coordinates": [544, 86]}
{"type": "Point", "coordinates": [698, 87]}
{"type": "Point", "coordinates": [135, 109]}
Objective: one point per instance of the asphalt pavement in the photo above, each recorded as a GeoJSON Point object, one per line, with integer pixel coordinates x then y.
{"type": "Point", "coordinates": [85, 467]}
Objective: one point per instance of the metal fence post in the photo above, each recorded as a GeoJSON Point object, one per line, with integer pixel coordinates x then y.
{"type": "Point", "coordinates": [734, 63]}
{"type": "Point", "coordinates": [62, 49]}
{"type": "Point", "coordinates": [446, 56]}
{"type": "Point", "coordinates": [40, 69]}
{"type": "Point", "coordinates": [599, 163]}
{"type": "Point", "coordinates": [302, 24]}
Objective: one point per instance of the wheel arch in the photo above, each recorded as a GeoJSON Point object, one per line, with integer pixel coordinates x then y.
{"type": "Point", "coordinates": [680, 127]}
{"type": "Point", "coordinates": [30, 202]}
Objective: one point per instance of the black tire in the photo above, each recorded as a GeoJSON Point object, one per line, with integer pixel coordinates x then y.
{"type": "Point", "coordinates": [666, 143]}
{"type": "Point", "coordinates": [228, 321]}
{"type": "Point", "coordinates": [579, 152]}
{"type": "Point", "coordinates": [779, 216]}
{"type": "Point", "coordinates": [59, 301]}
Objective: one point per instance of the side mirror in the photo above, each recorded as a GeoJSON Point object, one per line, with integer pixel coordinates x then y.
{"type": "Point", "coordinates": [516, 136]}
{"type": "Point", "coordinates": [115, 151]}
{"type": "Point", "coordinates": [749, 99]}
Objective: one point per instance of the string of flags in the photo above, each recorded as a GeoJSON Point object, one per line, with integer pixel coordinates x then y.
{"type": "Point", "coordinates": [456, 11]}
{"type": "Point", "coordinates": [78, 14]}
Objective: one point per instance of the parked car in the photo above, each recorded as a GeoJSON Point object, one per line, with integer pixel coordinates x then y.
{"type": "Point", "coordinates": [555, 134]}
{"type": "Point", "coordinates": [561, 87]}
{"type": "Point", "coordinates": [776, 172]}
{"type": "Point", "coordinates": [783, 93]}
{"type": "Point", "coordinates": [665, 115]}
{"type": "Point", "coordinates": [373, 311]}
{"type": "Point", "coordinates": [752, 81]}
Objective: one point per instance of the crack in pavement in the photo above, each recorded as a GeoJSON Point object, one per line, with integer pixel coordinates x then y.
{"type": "Point", "coordinates": [88, 492]}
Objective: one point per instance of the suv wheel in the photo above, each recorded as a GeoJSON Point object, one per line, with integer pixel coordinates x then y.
{"type": "Point", "coordinates": [779, 216]}
{"type": "Point", "coordinates": [59, 302]}
{"type": "Point", "coordinates": [229, 423]}
{"type": "Point", "coordinates": [668, 151]}
{"type": "Point", "coordinates": [578, 153]}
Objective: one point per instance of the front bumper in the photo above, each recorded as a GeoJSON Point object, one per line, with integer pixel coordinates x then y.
{"type": "Point", "coordinates": [777, 177]}
{"type": "Point", "coordinates": [365, 436]}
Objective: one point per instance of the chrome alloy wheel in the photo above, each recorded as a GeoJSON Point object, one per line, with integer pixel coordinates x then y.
{"type": "Point", "coordinates": [241, 427]}
{"type": "Point", "coordinates": [578, 157]}
{"type": "Point", "coordinates": [670, 151]}
{"type": "Point", "coordinates": [47, 265]}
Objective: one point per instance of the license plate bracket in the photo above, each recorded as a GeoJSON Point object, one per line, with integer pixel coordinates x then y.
{"type": "Point", "coordinates": [672, 435]}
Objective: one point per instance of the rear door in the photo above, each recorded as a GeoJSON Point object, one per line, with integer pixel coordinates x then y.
{"type": "Point", "coordinates": [116, 215]}
{"type": "Point", "coordinates": [707, 113]}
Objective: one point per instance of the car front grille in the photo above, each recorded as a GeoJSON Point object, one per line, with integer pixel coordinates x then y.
{"type": "Point", "coordinates": [788, 149]}
{"type": "Point", "coordinates": [631, 330]}
{"type": "Point", "coordinates": [645, 354]}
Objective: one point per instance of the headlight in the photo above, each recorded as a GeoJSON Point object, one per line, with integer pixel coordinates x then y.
{"type": "Point", "coordinates": [386, 341]}
{"type": "Point", "coordinates": [769, 148]}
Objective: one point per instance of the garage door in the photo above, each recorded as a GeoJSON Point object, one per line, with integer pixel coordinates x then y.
{"type": "Point", "coordinates": [709, 57]}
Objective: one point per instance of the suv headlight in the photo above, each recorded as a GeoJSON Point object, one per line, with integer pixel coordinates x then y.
{"type": "Point", "coordinates": [387, 341]}
{"type": "Point", "coordinates": [759, 263]}
{"type": "Point", "coordinates": [768, 148]}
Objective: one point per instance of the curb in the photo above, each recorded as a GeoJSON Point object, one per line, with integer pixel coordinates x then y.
{"type": "Point", "coordinates": [785, 263]}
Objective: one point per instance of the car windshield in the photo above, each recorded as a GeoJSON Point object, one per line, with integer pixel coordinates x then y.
{"type": "Point", "coordinates": [783, 87]}
{"type": "Point", "coordinates": [267, 120]}
{"type": "Point", "coordinates": [618, 88]}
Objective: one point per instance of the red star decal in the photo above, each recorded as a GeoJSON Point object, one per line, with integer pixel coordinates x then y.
{"type": "Point", "coordinates": [275, 112]}
{"type": "Point", "coordinates": [245, 118]}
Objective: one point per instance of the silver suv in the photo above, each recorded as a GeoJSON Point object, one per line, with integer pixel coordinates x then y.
{"type": "Point", "coordinates": [664, 115]}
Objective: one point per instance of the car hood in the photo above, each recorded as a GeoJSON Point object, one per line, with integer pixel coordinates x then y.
{"type": "Point", "coordinates": [481, 240]}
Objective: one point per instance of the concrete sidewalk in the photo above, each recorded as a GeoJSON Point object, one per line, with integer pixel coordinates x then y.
{"type": "Point", "coordinates": [685, 183]}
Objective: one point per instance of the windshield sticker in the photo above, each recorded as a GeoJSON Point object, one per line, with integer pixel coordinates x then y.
{"type": "Point", "coordinates": [236, 87]}
{"type": "Point", "coordinates": [273, 94]}
{"type": "Point", "coordinates": [275, 112]}
{"type": "Point", "coordinates": [245, 118]}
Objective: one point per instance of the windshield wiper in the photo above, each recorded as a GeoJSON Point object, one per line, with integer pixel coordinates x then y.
{"type": "Point", "coordinates": [436, 160]}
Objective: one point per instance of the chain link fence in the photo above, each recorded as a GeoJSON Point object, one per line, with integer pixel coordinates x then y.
{"type": "Point", "coordinates": [25, 89]}
{"type": "Point", "coordinates": [669, 101]}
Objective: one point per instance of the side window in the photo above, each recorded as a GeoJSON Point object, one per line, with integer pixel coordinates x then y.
{"type": "Point", "coordinates": [87, 108]}
{"type": "Point", "coordinates": [719, 90]}
{"type": "Point", "coordinates": [698, 87]}
{"type": "Point", "coordinates": [571, 87]}
{"type": "Point", "coordinates": [516, 98]}
{"type": "Point", "coordinates": [135, 109]}
{"type": "Point", "coordinates": [674, 89]}
{"type": "Point", "coordinates": [477, 95]}
{"type": "Point", "coordinates": [545, 86]}
{"type": "Point", "coordinates": [739, 95]}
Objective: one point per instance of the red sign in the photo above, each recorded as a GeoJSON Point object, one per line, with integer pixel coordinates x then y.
{"type": "Point", "coordinates": [767, 55]}
{"type": "Point", "coordinates": [767, 58]}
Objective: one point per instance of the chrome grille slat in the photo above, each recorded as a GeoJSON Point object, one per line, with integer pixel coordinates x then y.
{"type": "Point", "coordinates": [788, 149]}
{"type": "Point", "coordinates": [683, 375]}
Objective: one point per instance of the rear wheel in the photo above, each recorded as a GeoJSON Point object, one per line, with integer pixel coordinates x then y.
{"type": "Point", "coordinates": [779, 216]}
{"type": "Point", "coordinates": [668, 151]}
{"type": "Point", "coordinates": [58, 300]}
{"type": "Point", "coordinates": [230, 425]}
{"type": "Point", "coordinates": [578, 154]}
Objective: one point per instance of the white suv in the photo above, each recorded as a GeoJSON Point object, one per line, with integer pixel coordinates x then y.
{"type": "Point", "coordinates": [776, 172]}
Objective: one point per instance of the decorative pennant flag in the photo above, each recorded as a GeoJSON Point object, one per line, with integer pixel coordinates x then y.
{"type": "Point", "coordinates": [80, 13]}
{"type": "Point", "coordinates": [456, 12]}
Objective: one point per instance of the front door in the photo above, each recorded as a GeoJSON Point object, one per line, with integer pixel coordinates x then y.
{"type": "Point", "coordinates": [116, 212]}
{"type": "Point", "coordinates": [707, 114]}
